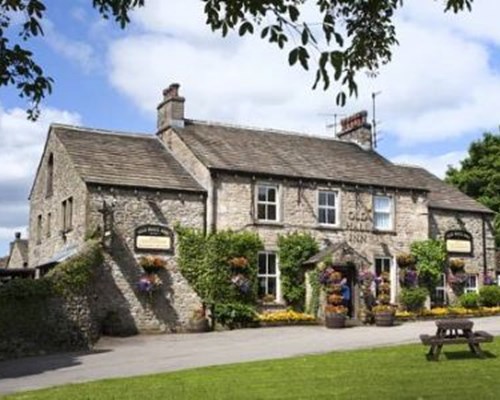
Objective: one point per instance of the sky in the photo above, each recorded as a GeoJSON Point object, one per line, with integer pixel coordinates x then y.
{"type": "Point", "coordinates": [440, 92]}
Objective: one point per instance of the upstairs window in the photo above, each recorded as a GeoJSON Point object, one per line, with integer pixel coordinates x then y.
{"type": "Point", "coordinates": [39, 229]}
{"type": "Point", "coordinates": [328, 208]}
{"type": "Point", "coordinates": [267, 202]}
{"type": "Point", "coordinates": [67, 214]}
{"type": "Point", "coordinates": [382, 213]}
{"type": "Point", "coordinates": [50, 176]}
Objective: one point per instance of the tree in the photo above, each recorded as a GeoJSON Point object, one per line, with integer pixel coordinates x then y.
{"type": "Point", "coordinates": [479, 175]}
{"type": "Point", "coordinates": [350, 36]}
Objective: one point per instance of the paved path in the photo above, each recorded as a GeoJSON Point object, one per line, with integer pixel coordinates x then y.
{"type": "Point", "coordinates": [137, 355]}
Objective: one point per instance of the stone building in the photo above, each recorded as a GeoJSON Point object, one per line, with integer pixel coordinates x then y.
{"type": "Point", "coordinates": [213, 176]}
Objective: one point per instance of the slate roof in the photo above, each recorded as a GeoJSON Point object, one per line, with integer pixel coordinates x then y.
{"type": "Point", "coordinates": [225, 147]}
{"type": "Point", "coordinates": [120, 159]}
{"type": "Point", "coordinates": [441, 194]}
{"type": "Point", "coordinates": [267, 152]}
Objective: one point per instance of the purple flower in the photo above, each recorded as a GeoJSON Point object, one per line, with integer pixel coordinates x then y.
{"type": "Point", "coordinates": [145, 285]}
{"type": "Point", "coordinates": [489, 280]}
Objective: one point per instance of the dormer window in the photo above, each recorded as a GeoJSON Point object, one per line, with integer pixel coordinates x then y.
{"type": "Point", "coordinates": [50, 176]}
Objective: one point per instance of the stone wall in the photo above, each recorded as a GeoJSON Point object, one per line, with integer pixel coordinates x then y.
{"type": "Point", "coordinates": [121, 305]}
{"type": "Point", "coordinates": [441, 221]}
{"type": "Point", "coordinates": [66, 183]}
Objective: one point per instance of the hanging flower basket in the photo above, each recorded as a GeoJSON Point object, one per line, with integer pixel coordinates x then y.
{"type": "Point", "coordinates": [405, 260]}
{"type": "Point", "coordinates": [456, 264]}
{"type": "Point", "coordinates": [149, 283]}
{"type": "Point", "coordinates": [152, 264]}
{"type": "Point", "coordinates": [238, 263]}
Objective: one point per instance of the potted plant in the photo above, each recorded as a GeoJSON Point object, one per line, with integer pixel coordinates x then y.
{"type": "Point", "coordinates": [198, 321]}
{"type": "Point", "coordinates": [405, 260]}
{"type": "Point", "coordinates": [152, 264]}
{"type": "Point", "coordinates": [335, 311]}
{"type": "Point", "coordinates": [384, 312]}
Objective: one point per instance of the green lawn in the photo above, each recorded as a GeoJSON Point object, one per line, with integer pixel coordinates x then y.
{"type": "Point", "coordinates": [385, 373]}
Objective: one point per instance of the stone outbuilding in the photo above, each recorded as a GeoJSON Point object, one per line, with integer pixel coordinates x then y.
{"type": "Point", "coordinates": [213, 176]}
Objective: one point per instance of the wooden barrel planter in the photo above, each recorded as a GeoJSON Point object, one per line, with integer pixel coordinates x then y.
{"type": "Point", "coordinates": [385, 318]}
{"type": "Point", "coordinates": [334, 320]}
{"type": "Point", "coordinates": [198, 325]}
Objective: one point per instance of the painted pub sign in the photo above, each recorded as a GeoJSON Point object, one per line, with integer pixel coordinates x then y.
{"type": "Point", "coordinates": [458, 242]}
{"type": "Point", "coordinates": [154, 238]}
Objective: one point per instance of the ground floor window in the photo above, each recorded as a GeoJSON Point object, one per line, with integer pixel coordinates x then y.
{"type": "Point", "coordinates": [268, 276]}
{"type": "Point", "coordinates": [471, 284]}
{"type": "Point", "coordinates": [385, 265]}
{"type": "Point", "coordinates": [438, 298]}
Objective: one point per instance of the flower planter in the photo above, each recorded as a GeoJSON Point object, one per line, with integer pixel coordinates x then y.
{"type": "Point", "coordinates": [385, 318]}
{"type": "Point", "coordinates": [198, 325]}
{"type": "Point", "coordinates": [334, 320]}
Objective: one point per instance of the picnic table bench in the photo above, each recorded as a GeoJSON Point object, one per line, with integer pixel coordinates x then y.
{"type": "Point", "coordinates": [455, 331]}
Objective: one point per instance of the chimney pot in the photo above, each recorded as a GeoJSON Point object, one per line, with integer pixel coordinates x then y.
{"type": "Point", "coordinates": [171, 109]}
{"type": "Point", "coordinates": [355, 128]}
{"type": "Point", "coordinates": [17, 235]}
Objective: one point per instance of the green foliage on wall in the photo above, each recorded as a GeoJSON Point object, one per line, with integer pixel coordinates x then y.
{"type": "Point", "coordinates": [72, 277]}
{"type": "Point", "coordinates": [205, 261]}
{"type": "Point", "coordinates": [36, 314]}
{"type": "Point", "coordinates": [313, 306]}
{"type": "Point", "coordinates": [431, 257]}
{"type": "Point", "coordinates": [293, 250]}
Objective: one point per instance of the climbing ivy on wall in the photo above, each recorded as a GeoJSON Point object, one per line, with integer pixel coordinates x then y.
{"type": "Point", "coordinates": [206, 261]}
{"type": "Point", "coordinates": [293, 249]}
{"type": "Point", "coordinates": [430, 256]}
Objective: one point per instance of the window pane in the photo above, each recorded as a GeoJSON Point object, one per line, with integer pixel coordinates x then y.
{"type": "Point", "coordinates": [322, 216]}
{"type": "Point", "coordinates": [382, 203]}
{"type": "Point", "coordinates": [331, 216]}
{"type": "Point", "coordinates": [382, 221]}
{"type": "Point", "coordinates": [261, 211]}
{"type": "Point", "coordinates": [262, 287]}
{"type": "Point", "coordinates": [271, 194]}
{"type": "Point", "coordinates": [322, 198]}
{"type": "Point", "coordinates": [331, 199]}
{"type": "Point", "coordinates": [271, 286]}
{"type": "Point", "coordinates": [271, 264]}
{"type": "Point", "coordinates": [262, 263]}
{"type": "Point", "coordinates": [262, 193]}
{"type": "Point", "coordinates": [271, 213]}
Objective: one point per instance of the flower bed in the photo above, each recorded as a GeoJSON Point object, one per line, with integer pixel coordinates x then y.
{"type": "Point", "coordinates": [288, 317]}
{"type": "Point", "coordinates": [450, 312]}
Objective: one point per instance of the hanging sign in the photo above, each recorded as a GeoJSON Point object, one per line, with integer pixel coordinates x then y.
{"type": "Point", "coordinates": [154, 238]}
{"type": "Point", "coordinates": [458, 242]}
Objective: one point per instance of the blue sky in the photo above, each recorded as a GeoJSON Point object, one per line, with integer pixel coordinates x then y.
{"type": "Point", "coordinates": [440, 92]}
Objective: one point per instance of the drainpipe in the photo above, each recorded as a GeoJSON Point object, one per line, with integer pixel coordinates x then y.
{"type": "Point", "coordinates": [485, 259]}
{"type": "Point", "coordinates": [213, 228]}
{"type": "Point", "coordinates": [205, 213]}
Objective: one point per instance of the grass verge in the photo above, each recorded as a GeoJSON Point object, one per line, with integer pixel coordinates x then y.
{"type": "Point", "coordinates": [400, 372]}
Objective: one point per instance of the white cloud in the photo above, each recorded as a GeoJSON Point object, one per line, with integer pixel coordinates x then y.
{"type": "Point", "coordinates": [442, 83]}
{"type": "Point", "coordinates": [79, 52]}
{"type": "Point", "coordinates": [436, 164]}
{"type": "Point", "coordinates": [7, 234]}
{"type": "Point", "coordinates": [21, 141]}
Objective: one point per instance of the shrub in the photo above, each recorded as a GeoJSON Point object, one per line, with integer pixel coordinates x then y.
{"type": "Point", "coordinates": [413, 299]}
{"type": "Point", "coordinates": [489, 296]}
{"type": "Point", "coordinates": [430, 256]}
{"type": "Point", "coordinates": [469, 300]}
{"type": "Point", "coordinates": [235, 315]}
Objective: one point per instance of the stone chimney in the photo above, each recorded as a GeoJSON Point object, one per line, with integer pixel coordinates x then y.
{"type": "Point", "coordinates": [171, 109]}
{"type": "Point", "coordinates": [355, 128]}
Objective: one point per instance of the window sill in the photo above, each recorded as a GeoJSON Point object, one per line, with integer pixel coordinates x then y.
{"type": "Point", "coordinates": [325, 227]}
{"type": "Point", "coordinates": [384, 232]}
{"type": "Point", "coordinates": [275, 224]}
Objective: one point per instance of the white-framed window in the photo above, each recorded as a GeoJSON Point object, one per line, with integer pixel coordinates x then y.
{"type": "Point", "coordinates": [328, 207]}
{"type": "Point", "coordinates": [471, 284]}
{"type": "Point", "coordinates": [268, 276]}
{"type": "Point", "coordinates": [439, 295]}
{"type": "Point", "coordinates": [386, 264]}
{"type": "Point", "coordinates": [267, 202]}
{"type": "Point", "coordinates": [383, 207]}
{"type": "Point", "coordinates": [67, 214]}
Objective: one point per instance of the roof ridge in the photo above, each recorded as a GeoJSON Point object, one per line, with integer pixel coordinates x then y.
{"type": "Point", "coordinates": [270, 130]}
{"type": "Point", "coordinates": [107, 132]}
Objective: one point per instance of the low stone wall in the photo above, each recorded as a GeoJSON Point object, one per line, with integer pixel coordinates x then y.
{"type": "Point", "coordinates": [33, 326]}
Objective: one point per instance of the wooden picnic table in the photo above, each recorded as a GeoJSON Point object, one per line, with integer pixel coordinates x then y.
{"type": "Point", "coordinates": [455, 331]}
